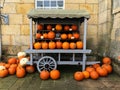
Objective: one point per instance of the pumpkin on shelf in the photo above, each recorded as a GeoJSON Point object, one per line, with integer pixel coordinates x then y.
{"type": "Point", "coordinates": [66, 28]}
{"type": "Point", "coordinates": [79, 44]}
{"type": "Point", "coordinates": [65, 45]}
{"type": "Point", "coordinates": [74, 27]}
{"type": "Point", "coordinates": [72, 45]}
{"type": "Point", "coordinates": [58, 44]}
{"type": "Point", "coordinates": [44, 75]}
{"type": "Point", "coordinates": [45, 45]}
{"type": "Point", "coordinates": [39, 27]}
{"type": "Point", "coordinates": [37, 45]}
{"type": "Point", "coordinates": [69, 36]}
{"type": "Point", "coordinates": [58, 27]}
{"type": "Point", "coordinates": [49, 27]}
{"type": "Point", "coordinates": [76, 35]}
{"type": "Point", "coordinates": [78, 75]}
{"type": "Point", "coordinates": [51, 35]}
{"type": "Point", "coordinates": [45, 35]}
{"type": "Point", "coordinates": [94, 75]}
{"type": "Point", "coordinates": [106, 60]}
{"type": "Point", "coordinates": [38, 35]}
{"type": "Point", "coordinates": [55, 74]}
{"type": "Point", "coordinates": [63, 36]}
{"type": "Point", "coordinates": [52, 45]}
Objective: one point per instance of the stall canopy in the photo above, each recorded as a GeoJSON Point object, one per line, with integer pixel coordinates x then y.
{"type": "Point", "coordinates": [46, 13]}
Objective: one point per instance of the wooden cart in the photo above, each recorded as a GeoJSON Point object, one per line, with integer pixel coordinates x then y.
{"type": "Point", "coordinates": [49, 58]}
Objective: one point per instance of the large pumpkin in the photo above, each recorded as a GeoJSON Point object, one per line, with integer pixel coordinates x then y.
{"type": "Point", "coordinates": [78, 76]}
{"type": "Point", "coordinates": [3, 73]}
{"type": "Point", "coordinates": [12, 60]}
{"type": "Point", "coordinates": [58, 44]}
{"type": "Point", "coordinates": [94, 75]}
{"type": "Point", "coordinates": [58, 27]}
{"type": "Point", "coordinates": [39, 27]}
{"type": "Point", "coordinates": [102, 71]}
{"type": "Point", "coordinates": [44, 45]}
{"type": "Point", "coordinates": [63, 36]}
{"type": "Point", "coordinates": [55, 74]}
{"type": "Point", "coordinates": [65, 45]}
{"type": "Point", "coordinates": [12, 70]}
{"type": "Point", "coordinates": [52, 45]}
{"type": "Point", "coordinates": [106, 60]}
{"type": "Point", "coordinates": [20, 72]}
{"type": "Point", "coordinates": [72, 45]}
{"type": "Point", "coordinates": [30, 68]}
{"type": "Point", "coordinates": [37, 45]}
{"type": "Point", "coordinates": [44, 75]}
{"type": "Point", "coordinates": [108, 67]}
{"type": "Point", "coordinates": [51, 35]}
{"type": "Point", "coordinates": [79, 44]}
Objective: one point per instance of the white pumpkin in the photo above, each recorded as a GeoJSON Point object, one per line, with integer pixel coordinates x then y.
{"type": "Point", "coordinates": [21, 54]}
{"type": "Point", "coordinates": [2, 67]}
{"type": "Point", "coordinates": [23, 61]}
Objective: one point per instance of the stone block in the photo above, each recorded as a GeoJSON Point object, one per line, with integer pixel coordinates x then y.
{"type": "Point", "coordinates": [25, 30]}
{"type": "Point", "coordinates": [6, 40]}
{"type": "Point", "coordinates": [10, 29]}
{"type": "Point", "coordinates": [27, 1]}
{"type": "Point", "coordinates": [24, 8]}
{"type": "Point", "coordinates": [9, 8]}
{"type": "Point", "coordinates": [15, 19]}
{"type": "Point", "coordinates": [95, 9]}
{"type": "Point", "coordinates": [72, 6]}
{"type": "Point", "coordinates": [92, 29]}
{"type": "Point", "coordinates": [13, 1]}
{"type": "Point", "coordinates": [93, 19]}
{"type": "Point", "coordinates": [25, 19]}
{"type": "Point", "coordinates": [91, 1]}
{"type": "Point", "coordinates": [75, 1]}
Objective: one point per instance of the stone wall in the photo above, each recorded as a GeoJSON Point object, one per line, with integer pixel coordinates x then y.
{"type": "Point", "coordinates": [15, 36]}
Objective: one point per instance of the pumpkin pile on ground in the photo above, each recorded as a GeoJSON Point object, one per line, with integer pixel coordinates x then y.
{"type": "Point", "coordinates": [16, 66]}
{"type": "Point", "coordinates": [95, 71]}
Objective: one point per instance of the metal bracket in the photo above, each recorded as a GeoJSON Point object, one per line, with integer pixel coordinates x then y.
{"type": "Point", "coordinates": [5, 18]}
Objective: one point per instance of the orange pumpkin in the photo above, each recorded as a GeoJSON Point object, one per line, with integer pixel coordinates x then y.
{"type": "Point", "coordinates": [49, 27]}
{"type": "Point", "coordinates": [76, 35]}
{"type": "Point", "coordinates": [58, 27]}
{"type": "Point", "coordinates": [37, 45]}
{"type": "Point", "coordinates": [58, 44]}
{"type": "Point", "coordinates": [13, 65]}
{"type": "Point", "coordinates": [94, 75]}
{"type": "Point", "coordinates": [78, 76]}
{"type": "Point", "coordinates": [7, 65]}
{"type": "Point", "coordinates": [51, 35]}
{"type": "Point", "coordinates": [106, 60]}
{"type": "Point", "coordinates": [44, 75]}
{"type": "Point", "coordinates": [52, 45]}
{"type": "Point", "coordinates": [3, 73]}
{"type": "Point", "coordinates": [63, 36]}
{"type": "Point", "coordinates": [72, 45]}
{"type": "Point", "coordinates": [65, 45]}
{"type": "Point", "coordinates": [108, 67]}
{"type": "Point", "coordinates": [12, 70]}
{"type": "Point", "coordinates": [39, 27]}
{"type": "Point", "coordinates": [20, 72]}
{"type": "Point", "coordinates": [96, 65]}
{"type": "Point", "coordinates": [74, 27]}
{"type": "Point", "coordinates": [66, 27]}
{"type": "Point", "coordinates": [55, 74]}
{"type": "Point", "coordinates": [102, 71]}
{"type": "Point", "coordinates": [44, 45]}
{"type": "Point", "coordinates": [12, 60]}
{"type": "Point", "coordinates": [45, 35]}
{"type": "Point", "coordinates": [89, 69]}
{"type": "Point", "coordinates": [69, 36]}
{"type": "Point", "coordinates": [38, 35]}
{"type": "Point", "coordinates": [86, 74]}
{"type": "Point", "coordinates": [30, 68]}
{"type": "Point", "coordinates": [79, 44]}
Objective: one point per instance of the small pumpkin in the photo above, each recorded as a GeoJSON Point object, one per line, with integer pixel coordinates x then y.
{"type": "Point", "coordinates": [38, 35]}
{"type": "Point", "coordinates": [74, 27]}
{"type": "Point", "coordinates": [20, 72]}
{"type": "Point", "coordinates": [78, 76]}
{"type": "Point", "coordinates": [12, 60]}
{"type": "Point", "coordinates": [58, 27]}
{"type": "Point", "coordinates": [23, 61]}
{"type": "Point", "coordinates": [79, 44]}
{"type": "Point", "coordinates": [63, 36]}
{"type": "Point", "coordinates": [94, 75]}
{"type": "Point", "coordinates": [49, 27]}
{"type": "Point", "coordinates": [14, 66]}
{"type": "Point", "coordinates": [3, 73]}
{"type": "Point", "coordinates": [66, 28]}
{"type": "Point", "coordinates": [51, 35]}
{"type": "Point", "coordinates": [52, 45]}
{"type": "Point", "coordinates": [69, 36]}
{"type": "Point", "coordinates": [30, 69]}
{"type": "Point", "coordinates": [7, 65]}
{"type": "Point", "coordinates": [55, 74]}
{"type": "Point", "coordinates": [102, 71]}
{"type": "Point", "coordinates": [108, 67]}
{"type": "Point", "coordinates": [21, 55]}
{"type": "Point", "coordinates": [37, 45]}
{"type": "Point", "coordinates": [72, 45]}
{"type": "Point", "coordinates": [89, 69]}
{"type": "Point", "coordinates": [76, 35]}
{"type": "Point", "coordinates": [44, 45]}
{"type": "Point", "coordinates": [44, 75]}
{"type": "Point", "coordinates": [12, 70]}
{"type": "Point", "coordinates": [58, 44]}
{"type": "Point", "coordinates": [96, 65]}
{"type": "Point", "coordinates": [45, 35]}
{"type": "Point", "coordinates": [86, 74]}
{"type": "Point", "coordinates": [39, 27]}
{"type": "Point", "coordinates": [65, 45]}
{"type": "Point", "coordinates": [106, 60]}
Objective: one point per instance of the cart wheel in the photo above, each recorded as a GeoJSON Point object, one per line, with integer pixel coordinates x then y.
{"type": "Point", "coordinates": [46, 63]}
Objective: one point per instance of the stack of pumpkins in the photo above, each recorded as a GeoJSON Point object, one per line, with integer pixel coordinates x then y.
{"type": "Point", "coordinates": [68, 37]}
{"type": "Point", "coordinates": [16, 66]}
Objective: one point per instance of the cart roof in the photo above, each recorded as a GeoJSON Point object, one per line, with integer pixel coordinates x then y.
{"type": "Point", "coordinates": [47, 13]}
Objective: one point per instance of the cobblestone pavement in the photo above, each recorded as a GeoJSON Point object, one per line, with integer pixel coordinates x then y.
{"type": "Point", "coordinates": [66, 82]}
